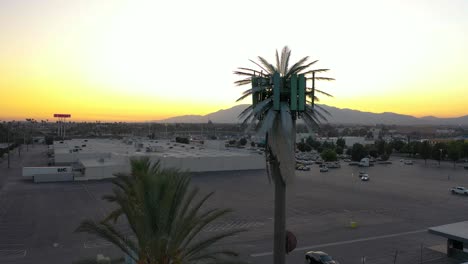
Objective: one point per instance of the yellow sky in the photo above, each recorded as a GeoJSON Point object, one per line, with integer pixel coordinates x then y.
{"type": "Point", "coordinates": [148, 60]}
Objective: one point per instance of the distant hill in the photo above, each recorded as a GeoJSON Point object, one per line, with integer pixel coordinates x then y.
{"type": "Point", "coordinates": [338, 116]}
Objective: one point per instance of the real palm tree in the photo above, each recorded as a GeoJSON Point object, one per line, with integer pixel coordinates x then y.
{"type": "Point", "coordinates": [164, 216]}
{"type": "Point", "coordinates": [278, 126]}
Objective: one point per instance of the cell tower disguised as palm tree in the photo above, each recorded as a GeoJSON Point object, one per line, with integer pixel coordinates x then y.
{"type": "Point", "coordinates": [280, 96]}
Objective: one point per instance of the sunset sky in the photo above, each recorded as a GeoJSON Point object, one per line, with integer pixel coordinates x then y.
{"type": "Point", "coordinates": [148, 60]}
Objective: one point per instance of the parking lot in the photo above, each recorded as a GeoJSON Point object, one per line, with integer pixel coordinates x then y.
{"type": "Point", "coordinates": [392, 212]}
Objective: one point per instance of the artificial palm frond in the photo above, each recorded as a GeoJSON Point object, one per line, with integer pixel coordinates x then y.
{"type": "Point", "coordinates": [278, 65]}
{"type": "Point", "coordinates": [296, 65]}
{"type": "Point", "coordinates": [271, 68]}
{"type": "Point", "coordinates": [260, 107]}
{"type": "Point", "coordinates": [267, 122]}
{"type": "Point", "coordinates": [316, 114]}
{"type": "Point", "coordinates": [243, 96]}
{"type": "Point", "coordinates": [310, 92]}
{"type": "Point", "coordinates": [245, 111]}
{"type": "Point", "coordinates": [252, 70]}
{"type": "Point", "coordinates": [300, 68]}
{"type": "Point", "coordinates": [317, 70]}
{"type": "Point", "coordinates": [322, 79]}
{"type": "Point", "coordinates": [323, 110]}
{"type": "Point", "coordinates": [243, 82]}
{"type": "Point", "coordinates": [260, 66]}
{"type": "Point", "coordinates": [285, 54]}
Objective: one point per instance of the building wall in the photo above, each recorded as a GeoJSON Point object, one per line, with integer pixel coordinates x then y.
{"type": "Point", "coordinates": [104, 172]}
{"type": "Point", "coordinates": [200, 164]}
{"type": "Point", "coordinates": [215, 144]}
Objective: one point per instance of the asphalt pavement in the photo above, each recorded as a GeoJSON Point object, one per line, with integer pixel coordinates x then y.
{"type": "Point", "coordinates": [392, 211]}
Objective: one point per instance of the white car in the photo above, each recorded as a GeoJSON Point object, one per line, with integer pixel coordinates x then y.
{"type": "Point", "coordinates": [459, 190]}
{"type": "Point", "coordinates": [408, 162]}
{"type": "Point", "coordinates": [323, 168]}
{"type": "Point", "coordinates": [365, 177]}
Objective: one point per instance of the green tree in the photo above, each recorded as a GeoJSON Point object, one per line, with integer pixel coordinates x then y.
{"type": "Point", "coordinates": [454, 152]}
{"type": "Point", "coordinates": [414, 148]}
{"type": "Point", "coordinates": [380, 146]}
{"type": "Point", "coordinates": [425, 151]}
{"type": "Point", "coordinates": [341, 143]}
{"type": "Point", "coordinates": [279, 125]}
{"type": "Point", "coordinates": [439, 151]}
{"type": "Point", "coordinates": [358, 152]}
{"type": "Point", "coordinates": [328, 145]}
{"type": "Point", "coordinates": [388, 149]}
{"type": "Point", "coordinates": [243, 141]}
{"type": "Point", "coordinates": [398, 145]}
{"type": "Point", "coordinates": [315, 144]}
{"type": "Point", "coordinates": [329, 155]}
{"type": "Point", "coordinates": [465, 149]}
{"type": "Point", "coordinates": [164, 217]}
{"type": "Point", "coordinates": [303, 147]}
{"type": "Point", "coordinates": [339, 150]}
{"type": "Point", "coordinates": [348, 151]}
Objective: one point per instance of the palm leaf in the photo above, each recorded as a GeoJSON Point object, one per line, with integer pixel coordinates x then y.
{"type": "Point", "coordinates": [322, 79]}
{"type": "Point", "coordinates": [285, 54]}
{"type": "Point", "coordinates": [296, 65]}
{"type": "Point", "coordinates": [278, 65]}
{"type": "Point", "coordinates": [309, 93]}
{"type": "Point", "coordinates": [245, 111]}
{"type": "Point", "coordinates": [254, 71]}
{"type": "Point", "coordinates": [244, 73]}
{"type": "Point", "coordinates": [267, 122]}
{"type": "Point", "coordinates": [271, 68]}
{"type": "Point", "coordinates": [298, 69]}
{"type": "Point", "coordinates": [317, 70]}
{"type": "Point", "coordinates": [243, 82]}
{"type": "Point", "coordinates": [260, 66]}
{"type": "Point", "coordinates": [323, 109]}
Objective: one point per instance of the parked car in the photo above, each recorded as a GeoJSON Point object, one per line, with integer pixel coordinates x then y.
{"type": "Point", "coordinates": [319, 257]}
{"type": "Point", "coordinates": [459, 190]}
{"type": "Point", "coordinates": [302, 168]}
{"type": "Point", "coordinates": [333, 165]}
{"type": "Point", "coordinates": [408, 162]}
{"type": "Point", "coordinates": [323, 168]}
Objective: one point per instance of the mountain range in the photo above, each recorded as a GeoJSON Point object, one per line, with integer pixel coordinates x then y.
{"type": "Point", "coordinates": [338, 116]}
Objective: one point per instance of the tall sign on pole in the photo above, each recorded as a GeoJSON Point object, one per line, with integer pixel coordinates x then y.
{"type": "Point", "coordinates": [61, 124]}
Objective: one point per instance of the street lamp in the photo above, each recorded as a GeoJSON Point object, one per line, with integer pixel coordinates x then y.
{"type": "Point", "coordinates": [440, 158]}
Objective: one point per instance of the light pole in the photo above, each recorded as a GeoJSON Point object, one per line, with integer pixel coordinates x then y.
{"type": "Point", "coordinates": [8, 145]}
{"type": "Point", "coordinates": [440, 157]}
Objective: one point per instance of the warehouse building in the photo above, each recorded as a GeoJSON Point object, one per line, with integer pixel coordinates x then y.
{"type": "Point", "coordinates": [93, 159]}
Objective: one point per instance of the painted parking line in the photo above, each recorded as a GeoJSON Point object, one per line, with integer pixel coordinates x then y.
{"type": "Point", "coordinates": [96, 244]}
{"type": "Point", "coordinates": [344, 242]}
{"type": "Point", "coordinates": [6, 254]}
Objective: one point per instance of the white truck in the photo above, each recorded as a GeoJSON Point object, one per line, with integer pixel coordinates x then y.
{"type": "Point", "coordinates": [49, 174]}
{"type": "Point", "coordinates": [459, 190]}
{"type": "Point", "coordinates": [364, 162]}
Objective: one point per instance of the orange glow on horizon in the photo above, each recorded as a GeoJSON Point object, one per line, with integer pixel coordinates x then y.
{"type": "Point", "coordinates": [126, 61]}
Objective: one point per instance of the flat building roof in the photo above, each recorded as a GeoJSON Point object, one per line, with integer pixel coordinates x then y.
{"type": "Point", "coordinates": [456, 231]}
